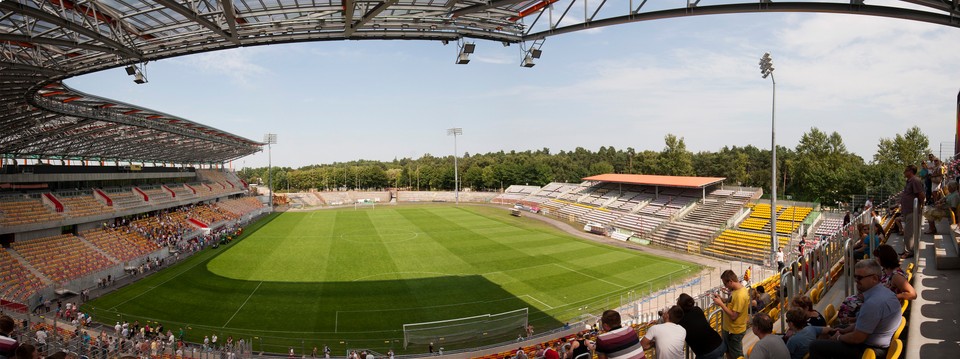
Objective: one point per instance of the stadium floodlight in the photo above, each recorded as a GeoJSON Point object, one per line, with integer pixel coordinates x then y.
{"type": "Point", "coordinates": [456, 131]}
{"type": "Point", "coordinates": [527, 61]}
{"type": "Point", "coordinates": [766, 69]}
{"type": "Point", "coordinates": [137, 73]}
{"type": "Point", "coordinates": [463, 57]}
{"type": "Point", "coordinates": [270, 139]}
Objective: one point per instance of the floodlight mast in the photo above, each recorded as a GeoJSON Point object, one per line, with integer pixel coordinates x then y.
{"type": "Point", "coordinates": [456, 131]}
{"type": "Point", "coordinates": [766, 69]}
{"type": "Point", "coordinates": [270, 139]}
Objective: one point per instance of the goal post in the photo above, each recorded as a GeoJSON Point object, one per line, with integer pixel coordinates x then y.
{"type": "Point", "coordinates": [465, 329]}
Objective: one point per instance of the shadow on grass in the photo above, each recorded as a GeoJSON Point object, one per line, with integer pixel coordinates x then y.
{"type": "Point", "coordinates": [277, 316]}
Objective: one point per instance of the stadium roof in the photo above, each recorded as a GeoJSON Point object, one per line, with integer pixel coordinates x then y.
{"type": "Point", "coordinates": [654, 180]}
{"type": "Point", "coordinates": [43, 42]}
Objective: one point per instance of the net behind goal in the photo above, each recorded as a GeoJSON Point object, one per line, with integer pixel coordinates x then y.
{"type": "Point", "coordinates": [465, 329]}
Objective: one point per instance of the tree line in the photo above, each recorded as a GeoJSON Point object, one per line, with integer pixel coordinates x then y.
{"type": "Point", "coordinates": [819, 168]}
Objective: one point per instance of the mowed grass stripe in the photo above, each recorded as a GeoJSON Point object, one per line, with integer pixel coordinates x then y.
{"type": "Point", "coordinates": [358, 275]}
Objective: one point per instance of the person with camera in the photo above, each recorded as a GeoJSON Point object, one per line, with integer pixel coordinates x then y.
{"type": "Point", "coordinates": [734, 313]}
{"type": "Point", "coordinates": [668, 337]}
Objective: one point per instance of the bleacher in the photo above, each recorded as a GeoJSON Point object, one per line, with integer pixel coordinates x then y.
{"type": "Point", "coordinates": [762, 210]}
{"type": "Point", "coordinates": [736, 244]}
{"type": "Point", "coordinates": [61, 258]}
{"type": "Point", "coordinates": [682, 236]}
{"type": "Point", "coordinates": [240, 206]}
{"type": "Point", "coordinates": [181, 191]}
{"type": "Point", "coordinates": [716, 209]}
{"type": "Point", "coordinates": [794, 213]}
{"type": "Point", "coordinates": [17, 283]}
{"type": "Point", "coordinates": [83, 205]}
{"type": "Point", "coordinates": [157, 195]}
{"type": "Point", "coordinates": [15, 211]}
{"type": "Point", "coordinates": [829, 226]}
{"type": "Point", "coordinates": [638, 223]}
{"type": "Point", "coordinates": [125, 198]}
{"type": "Point", "coordinates": [210, 215]}
{"type": "Point", "coordinates": [119, 243]}
{"type": "Point", "coordinates": [515, 193]}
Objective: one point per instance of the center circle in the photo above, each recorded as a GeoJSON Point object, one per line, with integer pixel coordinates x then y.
{"type": "Point", "coordinates": [385, 235]}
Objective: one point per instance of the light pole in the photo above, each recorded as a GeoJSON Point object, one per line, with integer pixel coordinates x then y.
{"type": "Point", "coordinates": [270, 139]}
{"type": "Point", "coordinates": [766, 69]}
{"type": "Point", "coordinates": [456, 131]}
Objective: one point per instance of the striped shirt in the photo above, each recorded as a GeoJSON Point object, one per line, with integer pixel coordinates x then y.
{"type": "Point", "coordinates": [621, 343]}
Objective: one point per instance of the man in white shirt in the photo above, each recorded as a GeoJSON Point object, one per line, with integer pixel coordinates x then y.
{"type": "Point", "coordinates": [779, 259]}
{"type": "Point", "coordinates": [667, 337]}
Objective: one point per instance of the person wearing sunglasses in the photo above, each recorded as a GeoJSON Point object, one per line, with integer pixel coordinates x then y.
{"type": "Point", "coordinates": [877, 320]}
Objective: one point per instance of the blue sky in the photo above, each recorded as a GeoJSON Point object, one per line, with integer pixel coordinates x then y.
{"type": "Point", "coordinates": [625, 86]}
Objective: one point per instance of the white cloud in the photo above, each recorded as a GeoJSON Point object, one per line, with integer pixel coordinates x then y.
{"type": "Point", "coordinates": [240, 65]}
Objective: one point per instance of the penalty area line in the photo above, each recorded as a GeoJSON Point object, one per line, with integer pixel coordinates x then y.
{"type": "Point", "coordinates": [537, 300]}
{"type": "Point", "coordinates": [241, 305]}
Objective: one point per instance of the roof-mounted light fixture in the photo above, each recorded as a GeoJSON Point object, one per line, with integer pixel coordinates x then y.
{"type": "Point", "coordinates": [465, 50]}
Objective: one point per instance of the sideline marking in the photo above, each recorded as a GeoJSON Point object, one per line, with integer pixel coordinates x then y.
{"type": "Point", "coordinates": [582, 273]}
{"type": "Point", "coordinates": [241, 305]}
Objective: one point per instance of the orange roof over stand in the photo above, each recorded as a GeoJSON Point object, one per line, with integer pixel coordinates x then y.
{"type": "Point", "coordinates": [654, 180]}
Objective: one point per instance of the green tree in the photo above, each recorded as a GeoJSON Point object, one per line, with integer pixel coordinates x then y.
{"type": "Point", "coordinates": [675, 160]}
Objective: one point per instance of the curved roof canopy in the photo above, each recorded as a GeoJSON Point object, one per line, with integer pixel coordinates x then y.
{"type": "Point", "coordinates": [43, 42]}
{"type": "Point", "coordinates": [657, 180]}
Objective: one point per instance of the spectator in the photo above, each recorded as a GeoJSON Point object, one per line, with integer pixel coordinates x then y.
{"type": "Point", "coordinates": [580, 346]}
{"type": "Point", "coordinates": [668, 337]}
{"type": "Point", "coordinates": [893, 277]}
{"type": "Point", "coordinates": [27, 351]}
{"type": "Point", "coordinates": [877, 319]}
{"type": "Point", "coordinates": [747, 274]}
{"type": "Point", "coordinates": [551, 352]}
{"type": "Point", "coordinates": [912, 190]}
{"type": "Point", "coordinates": [702, 339]}
{"type": "Point", "coordinates": [617, 341]}
{"type": "Point", "coordinates": [942, 208]}
{"type": "Point", "coordinates": [8, 345]}
{"type": "Point", "coordinates": [770, 346]}
{"type": "Point", "coordinates": [734, 314]}
{"type": "Point", "coordinates": [760, 299]}
{"type": "Point", "coordinates": [799, 342]}
{"type": "Point", "coordinates": [520, 354]}
{"type": "Point", "coordinates": [813, 316]}
{"type": "Point", "coordinates": [779, 259]}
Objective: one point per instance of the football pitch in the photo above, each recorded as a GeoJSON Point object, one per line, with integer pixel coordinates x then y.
{"type": "Point", "coordinates": [351, 278]}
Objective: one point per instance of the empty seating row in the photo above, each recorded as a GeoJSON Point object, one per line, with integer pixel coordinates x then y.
{"type": "Point", "coordinates": [794, 213]}
{"type": "Point", "coordinates": [61, 258]}
{"type": "Point", "coordinates": [682, 236]}
{"type": "Point", "coordinates": [25, 211]}
{"type": "Point", "coordinates": [17, 283]}
{"type": "Point", "coordinates": [120, 243]}
{"type": "Point", "coordinates": [240, 206]}
{"type": "Point", "coordinates": [762, 210]}
{"type": "Point", "coordinates": [829, 226]}
{"type": "Point", "coordinates": [638, 223]}
{"type": "Point", "coordinates": [84, 205]}
{"type": "Point", "coordinates": [743, 245]}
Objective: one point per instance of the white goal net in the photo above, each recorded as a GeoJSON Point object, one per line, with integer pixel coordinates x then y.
{"type": "Point", "coordinates": [465, 329]}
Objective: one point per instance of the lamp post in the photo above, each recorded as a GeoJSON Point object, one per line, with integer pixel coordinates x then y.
{"type": "Point", "coordinates": [270, 139]}
{"type": "Point", "coordinates": [766, 69]}
{"type": "Point", "coordinates": [456, 131]}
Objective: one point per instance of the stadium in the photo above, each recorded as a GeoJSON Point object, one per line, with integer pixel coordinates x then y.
{"type": "Point", "coordinates": [125, 230]}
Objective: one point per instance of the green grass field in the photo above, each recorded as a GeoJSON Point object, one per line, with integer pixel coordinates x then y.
{"type": "Point", "coordinates": [352, 278]}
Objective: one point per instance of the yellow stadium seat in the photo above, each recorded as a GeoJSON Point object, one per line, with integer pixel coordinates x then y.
{"type": "Point", "coordinates": [903, 307]}
{"type": "Point", "coordinates": [868, 354]}
{"type": "Point", "coordinates": [903, 323]}
{"type": "Point", "coordinates": [896, 346]}
{"type": "Point", "coordinates": [815, 295]}
{"type": "Point", "coordinates": [830, 312]}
